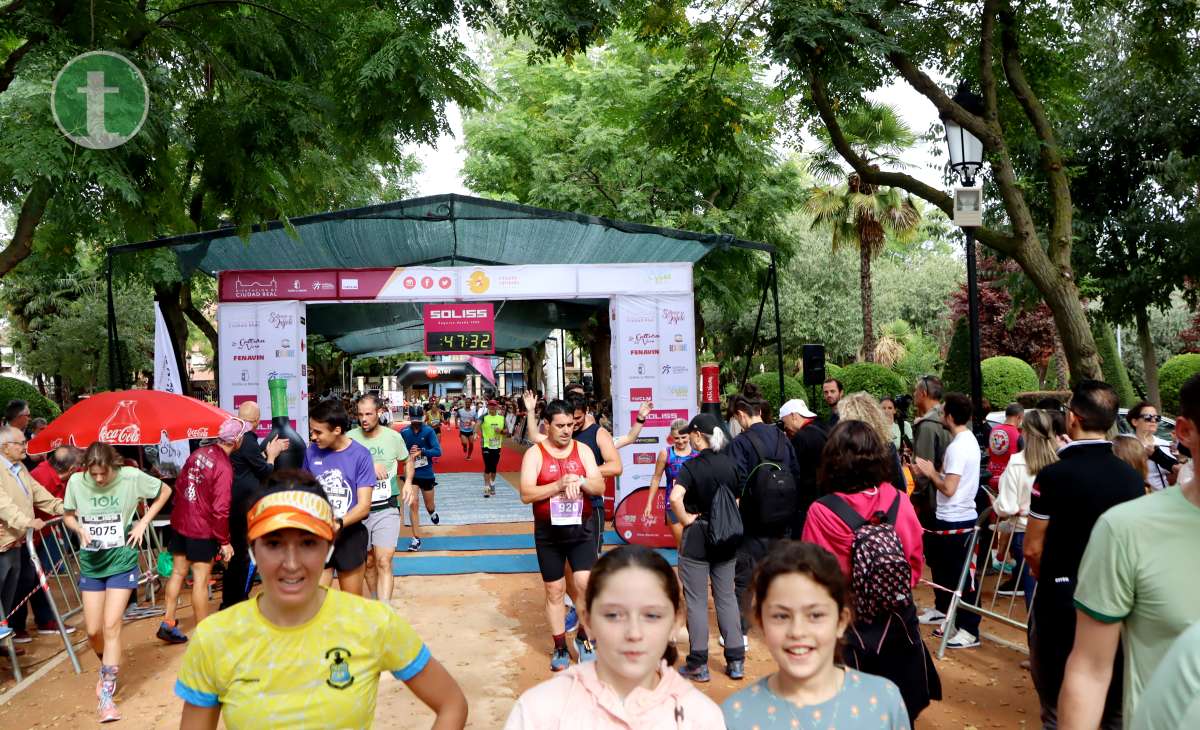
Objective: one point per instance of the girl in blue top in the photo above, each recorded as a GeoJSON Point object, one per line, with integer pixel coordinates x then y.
{"type": "Point", "coordinates": [801, 604]}
{"type": "Point", "coordinates": [670, 461]}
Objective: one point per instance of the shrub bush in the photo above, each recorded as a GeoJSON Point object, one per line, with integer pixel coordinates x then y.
{"type": "Point", "coordinates": [874, 379]}
{"type": "Point", "coordinates": [39, 405]}
{"type": "Point", "coordinates": [1171, 377]}
{"type": "Point", "coordinates": [1004, 377]}
{"type": "Point", "coordinates": [768, 384]}
{"type": "Point", "coordinates": [1111, 366]}
{"type": "Point", "coordinates": [956, 375]}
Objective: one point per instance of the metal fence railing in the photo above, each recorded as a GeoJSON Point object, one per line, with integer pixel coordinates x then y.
{"type": "Point", "coordinates": [990, 564]}
{"type": "Point", "coordinates": [54, 552]}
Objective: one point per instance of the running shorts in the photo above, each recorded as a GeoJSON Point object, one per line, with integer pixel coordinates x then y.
{"type": "Point", "coordinates": [553, 556]}
{"type": "Point", "coordinates": [425, 484]}
{"type": "Point", "coordinates": [128, 579]}
{"type": "Point", "coordinates": [195, 549]}
{"type": "Point", "coordinates": [491, 460]}
{"type": "Point", "coordinates": [349, 548]}
{"type": "Point", "coordinates": [383, 528]}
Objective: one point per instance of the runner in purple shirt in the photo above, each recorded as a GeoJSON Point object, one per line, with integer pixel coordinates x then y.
{"type": "Point", "coordinates": [346, 473]}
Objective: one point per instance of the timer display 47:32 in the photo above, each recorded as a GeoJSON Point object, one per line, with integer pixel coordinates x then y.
{"type": "Point", "coordinates": [455, 342]}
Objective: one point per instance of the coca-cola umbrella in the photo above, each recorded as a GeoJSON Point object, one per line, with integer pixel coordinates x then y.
{"type": "Point", "coordinates": [130, 418]}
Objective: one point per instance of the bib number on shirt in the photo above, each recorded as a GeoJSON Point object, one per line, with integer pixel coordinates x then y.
{"type": "Point", "coordinates": [565, 511]}
{"type": "Point", "coordinates": [493, 443]}
{"type": "Point", "coordinates": [382, 491]}
{"type": "Point", "coordinates": [104, 531]}
{"type": "Point", "coordinates": [420, 461]}
{"type": "Point", "coordinates": [340, 501]}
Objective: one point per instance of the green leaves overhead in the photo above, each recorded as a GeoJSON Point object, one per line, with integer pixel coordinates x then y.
{"type": "Point", "coordinates": [626, 131]}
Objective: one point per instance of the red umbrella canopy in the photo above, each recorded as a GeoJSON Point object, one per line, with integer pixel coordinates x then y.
{"type": "Point", "coordinates": [130, 418]}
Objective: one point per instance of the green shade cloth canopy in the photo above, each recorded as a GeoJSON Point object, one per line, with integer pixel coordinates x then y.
{"type": "Point", "coordinates": [440, 230]}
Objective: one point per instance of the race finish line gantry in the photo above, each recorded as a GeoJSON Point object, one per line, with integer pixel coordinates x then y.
{"type": "Point", "coordinates": [360, 278]}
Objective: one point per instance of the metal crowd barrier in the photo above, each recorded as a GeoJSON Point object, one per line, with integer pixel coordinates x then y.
{"type": "Point", "coordinates": [988, 603]}
{"type": "Point", "coordinates": [54, 552]}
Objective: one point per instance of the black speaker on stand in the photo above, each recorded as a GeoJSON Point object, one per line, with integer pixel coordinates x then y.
{"type": "Point", "coordinates": [813, 360]}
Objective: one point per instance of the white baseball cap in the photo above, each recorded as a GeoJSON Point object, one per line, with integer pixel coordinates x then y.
{"type": "Point", "coordinates": [795, 405]}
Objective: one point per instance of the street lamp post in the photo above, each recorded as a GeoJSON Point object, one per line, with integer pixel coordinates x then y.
{"type": "Point", "coordinates": [966, 160]}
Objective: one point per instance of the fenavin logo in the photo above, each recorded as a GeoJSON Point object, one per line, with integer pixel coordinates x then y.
{"type": "Point", "coordinates": [100, 100]}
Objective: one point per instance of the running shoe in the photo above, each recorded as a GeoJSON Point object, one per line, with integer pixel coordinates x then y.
{"type": "Point", "coordinates": [108, 710]}
{"type": "Point", "coordinates": [21, 636]}
{"type": "Point", "coordinates": [962, 639]}
{"type": "Point", "coordinates": [433, 517]}
{"type": "Point", "coordinates": [736, 669]}
{"type": "Point", "coordinates": [696, 674]}
{"type": "Point", "coordinates": [931, 616]}
{"type": "Point", "coordinates": [5, 632]}
{"type": "Point", "coordinates": [487, 492]}
{"type": "Point", "coordinates": [572, 619]}
{"type": "Point", "coordinates": [940, 631]}
{"type": "Point", "coordinates": [414, 545]}
{"type": "Point", "coordinates": [54, 627]}
{"type": "Point", "coordinates": [560, 660]}
{"type": "Point", "coordinates": [585, 649]}
{"type": "Point", "coordinates": [171, 634]}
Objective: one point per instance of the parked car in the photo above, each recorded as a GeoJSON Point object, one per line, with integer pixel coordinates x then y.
{"type": "Point", "coordinates": [1164, 437]}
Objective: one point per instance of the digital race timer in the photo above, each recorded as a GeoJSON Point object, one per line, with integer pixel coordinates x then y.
{"type": "Point", "coordinates": [455, 343]}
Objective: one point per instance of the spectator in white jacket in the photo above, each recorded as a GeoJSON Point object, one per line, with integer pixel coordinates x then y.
{"type": "Point", "coordinates": [1016, 484]}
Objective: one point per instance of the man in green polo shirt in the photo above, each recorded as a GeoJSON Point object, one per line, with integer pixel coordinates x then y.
{"type": "Point", "coordinates": [383, 522]}
{"type": "Point", "coordinates": [1138, 585]}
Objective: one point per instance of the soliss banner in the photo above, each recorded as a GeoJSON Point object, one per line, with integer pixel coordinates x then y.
{"type": "Point", "coordinates": [261, 341]}
{"type": "Point", "coordinates": [654, 359]}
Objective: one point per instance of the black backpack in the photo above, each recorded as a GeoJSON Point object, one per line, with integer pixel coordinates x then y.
{"type": "Point", "coordinates": [880, 575]}
{"type": "Point", "coordinates": [772, 489]}
{"type": "Point", "coordinates": [723, 525]}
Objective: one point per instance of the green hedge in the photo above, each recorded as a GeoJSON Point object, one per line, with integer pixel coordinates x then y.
{"type": "Point", "coordinates": [1111, 366]}
{"type": "Point", "coordinates": [956, 375]}
{"type": "Point", "coordinates": [768, 384]}
{"type": "Point", "coordinates": [1004, 377]}
{"type": "Point", "coordinates": [39, 405]}
{"type": "Point", "coordinates": [874, 379]}
{"type": "Point", "coordinates": [1171, 377]}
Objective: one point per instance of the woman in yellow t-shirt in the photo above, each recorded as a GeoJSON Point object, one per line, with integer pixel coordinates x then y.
{"type": "Point", "coordinates": [299, 655]}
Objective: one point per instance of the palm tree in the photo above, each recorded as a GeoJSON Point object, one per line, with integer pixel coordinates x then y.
{"type": "Point", "coordinates": [859, 213]}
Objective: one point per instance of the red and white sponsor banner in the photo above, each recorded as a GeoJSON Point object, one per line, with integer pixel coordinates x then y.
{"type": "Point", "coordinates": [434, 283]}
{"type": "Point", "coordinates": [654, 360]}
{"type": "Point", "coordinates": [260, 341]}
{"type": "Point", "coordinates": [459, 328]}
{"type": "Point", "coordinates": [633, 525]}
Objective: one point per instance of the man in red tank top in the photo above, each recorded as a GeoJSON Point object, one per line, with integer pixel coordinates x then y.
{"type": "Point", "coordinates": [558, 478]}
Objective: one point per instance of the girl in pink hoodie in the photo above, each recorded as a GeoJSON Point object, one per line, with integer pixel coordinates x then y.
{"type": "Point", "coordinates": [631, 608]}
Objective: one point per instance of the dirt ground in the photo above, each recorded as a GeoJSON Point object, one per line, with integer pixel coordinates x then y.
{"type": "Point", "coordinates": [490, 633]}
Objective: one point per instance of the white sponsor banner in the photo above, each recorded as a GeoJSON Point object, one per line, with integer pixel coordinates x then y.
{"type": "Point", "coordinates": [635, 279]}
{"type": "Point", "coordinates": [654, 359]}
{"type": "Point", "coordinates": [166, 379]}
{"type": "Point", "coordinates": [259, 341]}
{"type": "Point", "coordinates": [435, 283]}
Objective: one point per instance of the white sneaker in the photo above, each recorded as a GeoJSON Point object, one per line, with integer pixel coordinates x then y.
{"type": "Point", "coordinates": [962, 639]}
{"type": "Point", "coordinates": [931, 616]}
{"type": "Point", "coordinates": [745, 641]}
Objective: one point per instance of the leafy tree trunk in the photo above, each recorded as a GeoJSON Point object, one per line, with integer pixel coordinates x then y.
{"type": "Point", "coordinates": [197, 317]}
{"type": "Point", "coordinates": [167, 296]}
{"type": "Point", "coordinates": [864, 289]}
{"type": "Point", "coordinates": [1057, 286]}
{"type": "Point", "coordinates": [1060, 364]}
{"type": "Point", "coordinates": [1149, 359]}
{"type": "Point", "coordinates": [601, 351]}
